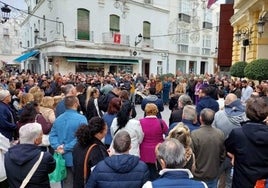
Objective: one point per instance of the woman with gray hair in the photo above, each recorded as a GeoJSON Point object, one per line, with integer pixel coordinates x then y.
{"type": "Point", "coordinates": [176, 115]}
{"type": "Point", "coordinates": [21, 158]}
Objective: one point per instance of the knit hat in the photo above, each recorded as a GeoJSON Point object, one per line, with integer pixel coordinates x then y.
{"type": "Point", "coordinates": [4, 94]}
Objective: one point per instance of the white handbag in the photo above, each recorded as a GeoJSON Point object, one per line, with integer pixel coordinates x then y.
{"type": "Point", "coordinates": [4, 145]}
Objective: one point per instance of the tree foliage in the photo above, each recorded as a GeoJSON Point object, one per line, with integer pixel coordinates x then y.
{"type": "Point", "coordinates": [237, 69]}
{"type": "Point", "coordinates": [257, 70]}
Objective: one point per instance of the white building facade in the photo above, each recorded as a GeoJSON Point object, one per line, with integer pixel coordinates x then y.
{"type": "Point", "coordinates": [101, 36]}
{"type": "Point", "coordinates": [10, 43]}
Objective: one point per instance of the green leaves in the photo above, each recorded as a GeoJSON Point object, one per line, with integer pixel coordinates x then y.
{"type": "Point", "coordinates": [237, 69]}
{"type": "Point", "coordinates": [257, 70]}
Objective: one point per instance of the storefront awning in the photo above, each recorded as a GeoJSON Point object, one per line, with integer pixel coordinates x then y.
{"type": "Point", "coordinates": [102, 60]}
{"type": "Point", "coordinates": [26, 56]}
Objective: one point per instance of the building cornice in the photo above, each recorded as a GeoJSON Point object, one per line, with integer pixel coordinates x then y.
{"type": "Point", "coordinates": [242, 13]}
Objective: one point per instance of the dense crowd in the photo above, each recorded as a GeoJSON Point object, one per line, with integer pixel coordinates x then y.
{"type": "Point", "coordinates": [217, 134]}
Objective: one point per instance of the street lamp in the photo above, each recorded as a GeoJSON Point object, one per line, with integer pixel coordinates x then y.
{"type": "Point", "coordinates": [244, 35]}
{"type": "Point", "coordinates": [260, 25]}
{"type": "Point", "coordinates": [137, 41]}
{"type": "Point", "coordinates": [5, 13]}
{"type": "Point", "coordinates": [36, 34]}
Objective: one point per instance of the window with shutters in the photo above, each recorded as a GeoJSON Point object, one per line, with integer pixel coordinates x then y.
{"type": "Point", "coordinates": [146, 30]}
{"type": "Point", "coordinates": [83, 24]}
{"type": "Point", "coordinates": [114, 23]}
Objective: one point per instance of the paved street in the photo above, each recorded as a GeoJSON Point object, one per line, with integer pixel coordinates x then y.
{"type": "Point", "coordinates": [165, 114]}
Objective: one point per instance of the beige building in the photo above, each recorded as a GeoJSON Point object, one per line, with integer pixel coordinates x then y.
{"type": "Point", "coordinates": [250, 24]}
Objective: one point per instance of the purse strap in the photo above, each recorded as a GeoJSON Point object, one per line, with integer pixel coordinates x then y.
{"type": "Point", "coordinates": [85, 162]}
{"type": "Point", "coordinates": [161, 124]}
{"type": "Point", "coordinates": [32, 171]}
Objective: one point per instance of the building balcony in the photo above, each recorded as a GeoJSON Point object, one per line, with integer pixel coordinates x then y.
{"type": "Point", "coordinates": [115, 39]}
{"type": "Point", "coordinates": [147, 44]}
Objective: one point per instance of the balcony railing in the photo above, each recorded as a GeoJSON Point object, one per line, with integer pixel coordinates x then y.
{"type": "Point", "coordinates": [115, 38]}
{"type": "Point", "coordinates": [147, 43]}
{"type": "Point", "coordinates": [84, 36]}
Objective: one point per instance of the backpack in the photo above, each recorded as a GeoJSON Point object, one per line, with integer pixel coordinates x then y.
{"type": "Point", "coordinates": [103, 102]}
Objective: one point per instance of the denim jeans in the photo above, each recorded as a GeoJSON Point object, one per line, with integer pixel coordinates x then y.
{"type": "Point", "coordinates": [212, 183]}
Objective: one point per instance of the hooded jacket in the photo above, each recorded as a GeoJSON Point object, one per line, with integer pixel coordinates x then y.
{"type": "Point", "coordinates": [20, 159]}
{"type": "Point", "coordinates": [249, 145]}
{"type": "Point", "coordinates": [230, 117]}
{"type": "Point", "coordinates": [124, 171]}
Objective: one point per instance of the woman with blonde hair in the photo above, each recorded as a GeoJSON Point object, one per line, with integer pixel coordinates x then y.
{"type": "Point", "coordinates": [153, 129]}
{"type": "Point", "coordinates": [47, 109]}
{"type": "Point", "coordinates": [24, 100]}
{"type": "Point", "coordinates": [92, 107]}
{"type": "Point", "coordinates": [182, 133]}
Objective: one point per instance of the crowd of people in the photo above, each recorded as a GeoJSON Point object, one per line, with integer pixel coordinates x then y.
{"type": "Point", "coordinates": [216, 137]}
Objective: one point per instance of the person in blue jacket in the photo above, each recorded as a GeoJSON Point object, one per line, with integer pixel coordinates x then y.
{"type": "Point", "coordinates": [152, 98]}
{"type": "Point", "coordinates": [62, 135]}
{"type": "Point", "coordinates": [120, 169]}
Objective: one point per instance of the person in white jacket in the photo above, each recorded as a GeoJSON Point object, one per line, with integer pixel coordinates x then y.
{"type": "Point", "coordinates": [4, 145]}
{"type": "Point", "coordinates": [132, 126]}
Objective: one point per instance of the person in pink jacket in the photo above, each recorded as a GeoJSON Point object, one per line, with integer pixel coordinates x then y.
{"type": "Point", "coordinates": [154, 130]}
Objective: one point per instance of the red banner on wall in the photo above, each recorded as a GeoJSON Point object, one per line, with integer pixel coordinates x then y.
{"type": "Point", "coordinates": [117, 38]}
{"type": "Point", "coordinates": [210, 2]}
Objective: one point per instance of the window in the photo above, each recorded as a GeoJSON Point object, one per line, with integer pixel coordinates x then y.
{"type": "Point", "coordinates": [7, 43]}
{"type": "Point", "coordinates": [185, 7]}
{"type": "Point", "coordinates": [183, 36]}
{"type": "Point", "coordinates": [180, 67]}
{"type": "Point", "coordinates": [182, 48]}
{"type": "Point", "coordinates": [146, 30]}
{"type": "Point", "coordinates": [159, 68]}
{"type": "Point", "coordinates": [183, 40]}
{"type": "Point", "coordinates": [207, 25]}
{"type": "Point", "coordinates": [208, 16]}
{"type": "Point", "coordinates": [206, 41]}
{"type": "Point", "coordinates": [206, 45]}
{"type": "Point", "coordinates": [83, 24]}
{"type": "Point", "coordinates": [184, 17]}
{"type": "Point", "coordinates": [114, 23]}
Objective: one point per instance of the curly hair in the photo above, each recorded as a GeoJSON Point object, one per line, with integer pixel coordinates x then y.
{"type": "Point", "coordinates": [151, 109]}
{"type": "Point", "coordinates": [182, 133]}
{"type": "Point", "coordinates": [86, 133]}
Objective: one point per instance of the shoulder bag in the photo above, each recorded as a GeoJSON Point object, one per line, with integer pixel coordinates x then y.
{"type": "Point", "coordinates": [32, 171]}
{"type": "Point", "coordinates": [86, 161]}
